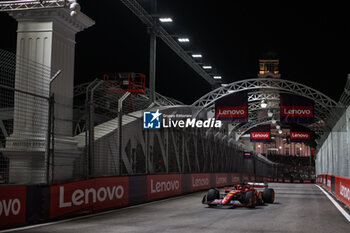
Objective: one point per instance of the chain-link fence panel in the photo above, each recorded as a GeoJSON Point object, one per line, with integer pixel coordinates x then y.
{"type": "Point", "coordinates": [24, 120]}
{"type": "Point", "coordinates": [122, 146]}
{"type": "Point", "coordinates": [334, 155]}
{"type": "Point", "coordinates": [110, 129]}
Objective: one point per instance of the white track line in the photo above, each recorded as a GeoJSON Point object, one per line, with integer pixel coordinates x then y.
{"type": "Point", "coordinates": [91, 215]}
{"type": "Point", "coordinates": [346, 215]}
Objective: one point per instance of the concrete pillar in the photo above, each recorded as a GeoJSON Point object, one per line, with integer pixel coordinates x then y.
{"type": "Point", "coordinates": [45, 41]}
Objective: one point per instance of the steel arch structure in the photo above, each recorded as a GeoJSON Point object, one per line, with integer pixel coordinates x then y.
{"type": "Point", "coordinates": [31, 4]}
{"type": "Point", "coordinates": [269, 84]}
{"type": "Point", "coordinates": [269, 89]}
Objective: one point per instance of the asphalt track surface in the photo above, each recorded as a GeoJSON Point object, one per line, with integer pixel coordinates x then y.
{"type": "Point", "coordinates": [298, 208]}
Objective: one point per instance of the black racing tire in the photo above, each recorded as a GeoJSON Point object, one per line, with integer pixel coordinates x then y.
{"type": "Point", "coordinates": [213, 194]}
{"type": "Point", "coordinates": [249, 199]}
{"type": "Point", "coordinates": [269, 195]}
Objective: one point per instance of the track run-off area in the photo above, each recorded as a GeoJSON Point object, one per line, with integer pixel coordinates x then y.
{"type": "Point", "coordinates": [297, 208]}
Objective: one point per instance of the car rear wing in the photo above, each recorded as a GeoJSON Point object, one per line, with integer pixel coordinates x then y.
{"type": "Point", "coordinates": [258, 185]}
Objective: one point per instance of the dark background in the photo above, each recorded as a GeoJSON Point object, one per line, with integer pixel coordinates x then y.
{"type": "Point", "coordinates": [312, 43]}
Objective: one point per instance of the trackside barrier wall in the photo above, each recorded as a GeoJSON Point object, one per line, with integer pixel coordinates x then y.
{"type": "Point", "coordinates": [12, 205]}
{"type": "Point", "coordinates": [20, 205]}
{"type": "Point", "coordinates": [338, 186]}
{"type": "Point", "coordinates": [95, 194]}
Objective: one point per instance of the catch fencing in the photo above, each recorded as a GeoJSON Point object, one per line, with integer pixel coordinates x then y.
{"type": "Point", "coordinates": [333, 156]}
{"type": "Point", "coordinates": [25, 120]}
{"type": "Point", "coordinates": [106, 127]}
{"type": "Point", "coordinates": [116, 118]}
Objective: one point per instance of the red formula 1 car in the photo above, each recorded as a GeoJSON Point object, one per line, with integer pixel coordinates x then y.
{"type": "Point", "coordinates": [240, 195]}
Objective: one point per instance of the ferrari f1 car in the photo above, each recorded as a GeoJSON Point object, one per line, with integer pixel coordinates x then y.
{"type": "Point", "coordinates": [240, 195]}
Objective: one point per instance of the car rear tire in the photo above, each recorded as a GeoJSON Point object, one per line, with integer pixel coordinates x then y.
{"type": "Point", "coordinates": [269, 195]}
{"type": "Point", "coordinates": [250, 199]}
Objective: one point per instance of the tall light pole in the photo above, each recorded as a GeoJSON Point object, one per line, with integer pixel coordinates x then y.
{"type": "Point", "coordinates": [153, 52]}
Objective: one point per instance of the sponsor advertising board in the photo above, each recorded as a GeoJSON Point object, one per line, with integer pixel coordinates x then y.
{"type": "Point", "coordinates": [320, 179]}
{"type": "Point", "coordinates": [260, 133]}
{"type": "Point", "coordinates": [95, 194]}
{"type": "Point", "coordinates": [12, 205]}
{"type": "Point", "coordinates": [221, 179]}
{"type": "Point", "coordinates": [200, 182]}
{"type": "Point", "coordinates": [329, 183]}
{"type": "Point", "coordinates": [231, 112]}
{"type": "Point", "coordinates": [235, 178]}
{"type": "Point", "coordinates": [317, 179]}
{"type": "Point", "coordinates": [296, 109]}
{"type": "Point", "coordinates": [245, 177]}
{"type": "Point", "coordinates": [299, 134]}
{"type": "Point", "coordinates": [232, 108]}
{"type": "Point", "coordinates": [161, 186]}
{"type": "Point", "coordinates": [247, 155]}
{"type": "Point", "coordinates": [342, 189]}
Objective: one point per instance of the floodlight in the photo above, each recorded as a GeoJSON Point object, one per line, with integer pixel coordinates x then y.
{"type": "Point", "coordinates": [166, 20]}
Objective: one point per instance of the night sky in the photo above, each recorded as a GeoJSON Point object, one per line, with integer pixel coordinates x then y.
{"type": "Point", "coordinates": [312, 43]}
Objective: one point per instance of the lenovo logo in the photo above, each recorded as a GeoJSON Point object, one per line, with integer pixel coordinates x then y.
{"type": "Point", "coordinates": [160, 186]}
{"type": "Point", "coordinates": [297, 111]}
{"type": "Point", "coordinates": [221, 180]}
{"type": "Point", "coordinates": [85, 196]}
{"type": "Point", "coordinates": [11, 206]}
{"type": "Point", "coordinates": [235, 179]}
{"type": "Point", "coordinates": [198, 182]}
{"type": "Point", "coordinates": [344, 192]}
{"type": "Point", "coordinates": [299, 135]}
{"type": "Point", "coordinates": [260, 135]}
{"type": "Point", "coordinates": [231, 112]}
{"type": "Point", "coordinates": [164, 186]}
{"type": "Point", "coordinates": [97, 193]}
